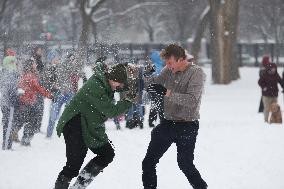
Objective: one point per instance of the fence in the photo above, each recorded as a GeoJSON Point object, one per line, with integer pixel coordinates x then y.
{"type": "Point", "coordinates": [250, 53]}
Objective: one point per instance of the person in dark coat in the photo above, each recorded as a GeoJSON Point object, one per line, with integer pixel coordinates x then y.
{"type": "Point", "coordinates": [156, 91]}
{"type": "Point", "coordinates": [82, 125]}
{"type": "Point", "coordinates": [264, 63]}
{"type": "Point", "coordinates": [30, 87]}
{"type": "Point", "coordinates": [36, 56]}
{"type": "Point", "coordinates": [268, 82]}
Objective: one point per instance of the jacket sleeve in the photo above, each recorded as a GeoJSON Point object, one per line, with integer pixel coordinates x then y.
{"type": "Point", "coordinates": [40, 89]}
{"type": "Point", "coordinates": [194, 91]}
{"type": "Point", "coordinates": [261, 82]}
{"type": "Point", "coordinates": [160, 79]}
{"type": "Point", "coordinates": [105, 104]}
{"type": "Point", "coordinates": [280, 81]}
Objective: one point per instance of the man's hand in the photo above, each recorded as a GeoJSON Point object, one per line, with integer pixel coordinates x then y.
{"type": "Point", "coordinates": [131, 97]}
{"type": "Point", "coordinates": [168, 93]}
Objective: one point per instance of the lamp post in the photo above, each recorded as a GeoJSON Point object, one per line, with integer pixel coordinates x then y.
{"type": "Point", "coordinates": [73, 11]}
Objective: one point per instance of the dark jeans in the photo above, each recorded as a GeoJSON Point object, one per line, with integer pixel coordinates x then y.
{"type": "Point", "coordinates": [26, 116]}
{"type": "Point", "coordinates": [184, 135]}
{"type": "Point", "coordinates": [40, 108]}
{"type": "Point", "coordinates": [5, 121]}
{"type": "Point", "coordinates": [76, 150]}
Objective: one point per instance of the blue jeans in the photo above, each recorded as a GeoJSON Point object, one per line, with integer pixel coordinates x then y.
{"type": "Point", "coordinates": [55, 110]}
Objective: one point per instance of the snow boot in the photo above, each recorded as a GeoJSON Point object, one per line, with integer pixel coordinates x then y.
{"type": "Point", "coordinates": [86, 176]}
{"type": "Point", "coordinates": [62, 182]}
{"type": "Point", "coordinates": [15, 136]}
{"type": "Point", "coordinates": [26, 141]}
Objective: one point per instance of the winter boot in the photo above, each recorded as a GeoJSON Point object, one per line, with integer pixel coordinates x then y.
{"type": "Point", "coordinates": [62, 182]}
{"type": "Point", "coordinates": [86, 176]}
{"type": "Point", "coordinates": [15, 137]}
{"type": "Point", "coordinates": [26, 141]}
{"type": "Point", "coordinates": [117, 126]}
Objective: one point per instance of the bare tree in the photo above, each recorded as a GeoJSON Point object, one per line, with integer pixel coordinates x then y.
{"type": "Point", "coordinates": [271, 24]}
{"type": "Point", "coordinates": [3, 5]}
{"type": "Point", "coordinates": [223, 33]}
{"type": "Point", "coordinates": [201, 28]}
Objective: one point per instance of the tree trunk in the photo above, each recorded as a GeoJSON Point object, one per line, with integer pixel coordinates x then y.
{"type": "Point", "coordinates": [151, 34]}
{"type": "Point", "coordinates": [3, 6]}
{"type": "Point", "coordinates": [84, 36]}
{"type": "Point", "coordinates": [223, 30]}
{"type": "Point", "coordinates": [202, 25]}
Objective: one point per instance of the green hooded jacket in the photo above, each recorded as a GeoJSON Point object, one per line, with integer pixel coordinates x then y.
{"type": "Point", "coordinates": [94, 102]}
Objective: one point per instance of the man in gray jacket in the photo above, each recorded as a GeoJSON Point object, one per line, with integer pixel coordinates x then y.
{"type": "Point", "coordinates": [184, 82]}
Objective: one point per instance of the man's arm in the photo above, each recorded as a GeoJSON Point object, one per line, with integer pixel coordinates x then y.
{"type": "Point", "coordinates": [160, 79]}
{"type": "Point", "coordinates": [194, 91]}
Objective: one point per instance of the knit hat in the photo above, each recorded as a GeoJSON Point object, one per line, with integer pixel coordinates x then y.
{"type": "Point", "coordinates": [117, 73]}
{"type": "Point", "coordinates": [9, 63]}
{"type": "Point", "coordinates": [265, 60]}
{"type": "Point", "coordinates": [10, 52]}
{"type": "Point", "coordinates": [52, 55]}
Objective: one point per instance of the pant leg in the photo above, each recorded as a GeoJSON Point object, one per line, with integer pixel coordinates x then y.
{"type": "Point", "coordinates": [5, 121]}
{"type": "Point", "coordinates": [54, 114]}
{"type": "Point", "coordinates": [161, 140]}
{"type": "Point", "coordinates": [29, 124]}
{"type": "Point", "coordinates": [40, 108]}
{"type": "Point", "coordinates": [267, 101]}
{"type": "Point", "coordinates": [105, 155]}
{"type": "Point", "coordinates": [76, 149]}
{"type": "Point", "coordinates": [185, 141]}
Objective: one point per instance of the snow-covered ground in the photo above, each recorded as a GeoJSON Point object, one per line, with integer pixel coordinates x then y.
{"type": "Point", "coordinates": [235, 149]}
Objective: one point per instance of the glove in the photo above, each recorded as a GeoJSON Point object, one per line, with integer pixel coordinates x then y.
{"type": "Point", "coordinates": [149, 69]}
{"type": "Point", "coordinates": [131, 97]}
{"type": "Point", "coordinates": [20, 91]}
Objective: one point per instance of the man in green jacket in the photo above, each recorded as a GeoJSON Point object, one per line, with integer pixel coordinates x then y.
{"type": "Point", "coordinates": [82, 125]}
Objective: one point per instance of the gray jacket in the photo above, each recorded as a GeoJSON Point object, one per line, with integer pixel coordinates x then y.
{"type": "Point", "coordinates": [186, 90]}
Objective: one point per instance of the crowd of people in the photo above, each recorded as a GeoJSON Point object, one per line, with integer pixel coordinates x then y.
{"type": "Point", "coordinates": [174, 84]}
{"type": "Point", "coordinates": [25, 84]}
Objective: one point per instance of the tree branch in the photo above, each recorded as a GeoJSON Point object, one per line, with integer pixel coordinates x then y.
{"type": "Point", "coordinates": [3, 7]}
{"type": "Point", "coordinates": [137, 6]}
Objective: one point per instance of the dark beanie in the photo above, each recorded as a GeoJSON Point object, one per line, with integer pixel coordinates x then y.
{"type": "Point", "coordinates": [117, 73]}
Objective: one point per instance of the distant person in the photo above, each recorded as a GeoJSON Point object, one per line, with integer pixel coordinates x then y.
{"type": "Point", "coordinates": [268, 82]}
{"type": "Point", "coordinates": [36, 56]}
{"type": "Point", "coordinates": [265, 61]}
{"type": "Point", "coordinates": [8, 98]}
{"type": "Point", "coordinates": [30, 87]}
{"type": "Point", "coordinates": [50, 81]}
{"type": "Point", "coordinates": [156, 91]}
{"type": "Point", "coordinates": [68, 74]}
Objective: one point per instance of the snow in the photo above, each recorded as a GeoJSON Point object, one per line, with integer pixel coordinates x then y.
{"type": "Point", "coordinates": [235, 149]}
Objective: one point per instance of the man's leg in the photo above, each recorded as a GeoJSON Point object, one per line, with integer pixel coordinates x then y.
{"type": "Point", "coordinates": [161, 140]}
{"type": "Point", "coordinates": [185, 141]}
{"type": "Point", "coordinates": [105, 155]}
{"type": "Point", "coordinates": [76, 151]}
